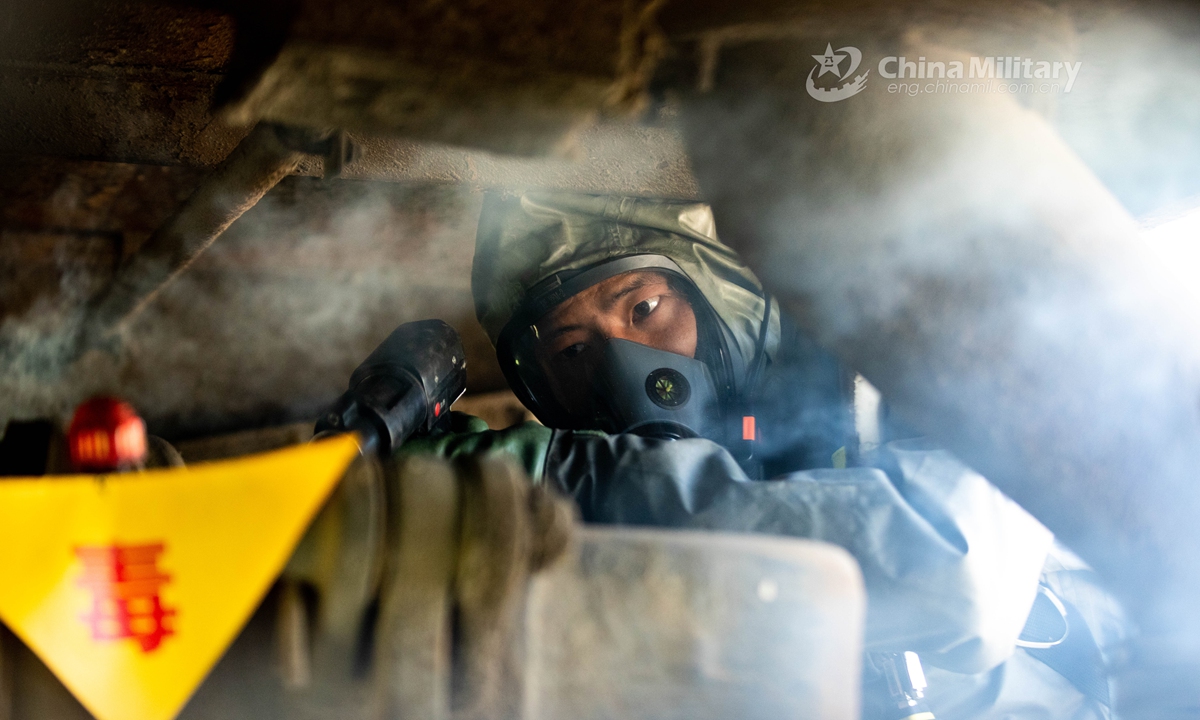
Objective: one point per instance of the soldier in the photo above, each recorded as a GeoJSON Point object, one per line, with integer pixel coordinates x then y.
{"type": "Point", "coordinates": [667, 382]}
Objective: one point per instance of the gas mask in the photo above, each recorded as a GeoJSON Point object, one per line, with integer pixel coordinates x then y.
{"type": "Point", "coordinates": [634, 388]}
{"type": "Point", "coordinates": [655, 393]}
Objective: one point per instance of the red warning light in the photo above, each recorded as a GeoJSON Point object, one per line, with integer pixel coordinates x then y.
{"type": "Point", "coordinates": [106, 434]}
{"type": "Point", "coordinates": [748, 427]}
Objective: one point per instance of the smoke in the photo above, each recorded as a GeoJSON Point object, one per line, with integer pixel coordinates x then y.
{"type": "Point", "coordinates": [1174, 245]}
{"type": "Point", "coordinates": [1133, 114]}
{"type": "Point", "coordinates": [268, 324]}
{"type": "Point", "coordinates": [969, 263]}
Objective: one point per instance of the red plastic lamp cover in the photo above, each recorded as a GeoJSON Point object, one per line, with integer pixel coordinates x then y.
{"type": "Point", "coordinates": [106, 434]}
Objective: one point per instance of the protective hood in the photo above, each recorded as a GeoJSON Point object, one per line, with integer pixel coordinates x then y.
{"type": "Point", "coordinates": [526, 238]}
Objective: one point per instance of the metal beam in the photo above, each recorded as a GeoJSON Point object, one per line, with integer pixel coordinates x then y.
{"type": "Point", "coordinates": [255, 166]}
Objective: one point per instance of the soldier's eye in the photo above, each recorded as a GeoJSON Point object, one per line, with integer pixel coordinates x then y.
{"type": "Point", "coordinates": [572, 351]}
{"type": "Point", "coordinates": [645, 307]}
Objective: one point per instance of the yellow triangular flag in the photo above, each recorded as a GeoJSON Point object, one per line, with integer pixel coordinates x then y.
{"type": "Point", "coordinates": [130, 587]}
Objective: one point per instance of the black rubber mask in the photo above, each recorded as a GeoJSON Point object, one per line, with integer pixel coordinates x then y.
{"type": "Point", "coordinates": [655, 393]}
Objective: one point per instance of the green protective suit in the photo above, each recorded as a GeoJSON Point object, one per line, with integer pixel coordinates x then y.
{"type": "Point", "coordinates": [952, 566]}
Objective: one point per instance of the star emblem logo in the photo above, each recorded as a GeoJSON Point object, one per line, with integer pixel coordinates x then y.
{"type": "Point", "coordinates": [830, 61]}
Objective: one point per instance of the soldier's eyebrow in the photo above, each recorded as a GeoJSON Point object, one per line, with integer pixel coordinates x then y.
{"type": "Point", "coordinates": [634, 282]}
{"type": "Point", "coordinates": [639, 280]}
{"type": "Point", "coordinates": [559, 332]}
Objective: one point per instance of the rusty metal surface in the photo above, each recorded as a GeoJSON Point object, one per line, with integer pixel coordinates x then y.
{"type": "Point", "coordinates": [613, 158]}
{"type": "Point", "coordinates": [135, 82]}
{"type": "Point", "coordinates": [140, 115]}
{"type": "Point", "coordinates": [74, 114]}
{"type": "Point", "coordinates": [516, 77]}
{"type": "Point", "coordinates": [462, 101]}
{"type": "Point", "coordinates": [124, 81]}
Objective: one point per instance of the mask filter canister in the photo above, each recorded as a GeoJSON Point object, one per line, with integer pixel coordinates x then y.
{"type": "Point", "coordinates": [656, 393]}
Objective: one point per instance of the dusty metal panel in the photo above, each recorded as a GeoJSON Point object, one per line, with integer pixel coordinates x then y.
{"type": "Point", "coordinates": [614, 158]}
{"type": "Point", "coordinates": [464, 101]}
{"type": "Point", "coordinates": [515, 77]}
{"type": "Point", "coordinates": [125, 81]}
{"type": "Point", "coordinates": [137, 115]}
{"type": "Point", "coordinates": [136, 82]}
{"type": "Point", "coordinates": [150, 117]}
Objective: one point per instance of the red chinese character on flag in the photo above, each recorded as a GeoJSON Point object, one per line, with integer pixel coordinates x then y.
{"type": "Point", "coordinates": [125, 582]}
